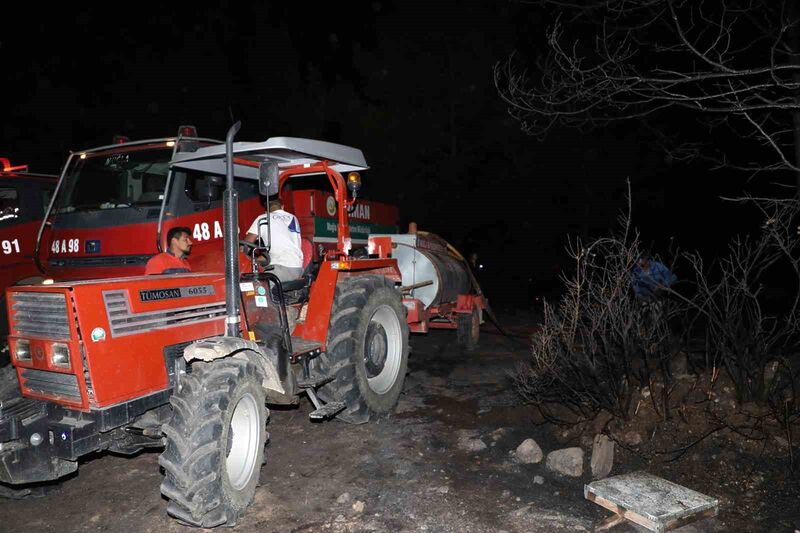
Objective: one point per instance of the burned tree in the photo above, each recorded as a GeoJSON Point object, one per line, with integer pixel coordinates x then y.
{"type": "Point", "coordinates": [733, 66]}
{"type": "Point", "coordinates": [600, 344]}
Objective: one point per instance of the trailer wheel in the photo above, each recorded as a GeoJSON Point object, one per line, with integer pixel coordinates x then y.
{"type": "Point", "coordinates": [215, 443]}
{"type": "Point", "coordinates": [468, 329]}
{"type": "Point", "coordinates": [367, 348]}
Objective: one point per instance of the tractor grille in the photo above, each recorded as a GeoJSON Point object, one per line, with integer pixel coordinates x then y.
{"type": "Point", "coordinates": [52, 384]}
{"type": "Point", "coordinates": [40, 314]}
{"type": "Point", "coordinates": [101, 261]}
{"type": "Point", "coordinates": [125, 322]}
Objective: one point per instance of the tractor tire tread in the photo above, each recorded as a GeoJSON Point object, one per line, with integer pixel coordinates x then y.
{"type": "Point", "coordinates": [194, 455]}
{"type": "Point", "coordinates": [351, 296]}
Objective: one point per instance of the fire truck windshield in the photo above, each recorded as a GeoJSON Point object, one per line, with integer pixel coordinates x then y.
{"type": "Point", "coordinates": [111, 180]}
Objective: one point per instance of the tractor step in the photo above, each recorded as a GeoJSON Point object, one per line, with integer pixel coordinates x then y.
{"type": "Point", "coordinates": [314, 383]}
{"type": "Point", "coordinates": [326, 411]}
{"type": "Point", "coordinates": [304, 348]}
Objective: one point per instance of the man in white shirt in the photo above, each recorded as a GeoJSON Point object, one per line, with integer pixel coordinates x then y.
{"type": "Point", "coordinates": [285, 253]}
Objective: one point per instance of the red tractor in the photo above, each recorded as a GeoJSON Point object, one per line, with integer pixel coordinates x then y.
{"type": "Point", "coordinates": [188, 361]}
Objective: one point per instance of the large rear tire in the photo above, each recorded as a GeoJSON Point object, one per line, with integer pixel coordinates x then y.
{"type": "Point", "coordinates": [367, 349]}
{"type": "Point", "coordinates": [215, 443]}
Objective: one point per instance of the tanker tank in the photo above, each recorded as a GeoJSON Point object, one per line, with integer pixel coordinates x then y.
{"type": "Point", "coordinates": [424, 257]}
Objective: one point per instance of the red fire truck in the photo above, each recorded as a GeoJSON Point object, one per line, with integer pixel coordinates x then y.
{"type": "Point", "coordinates": [23, 199]}
{"type": "Point", "coordinates": [115, 204]}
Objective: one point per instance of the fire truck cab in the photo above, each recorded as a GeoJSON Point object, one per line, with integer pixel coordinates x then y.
{"type": "Point", "coordinates": [114, 205]}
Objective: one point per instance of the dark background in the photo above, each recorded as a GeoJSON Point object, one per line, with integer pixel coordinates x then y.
{"type": "Point", "coordinates": [410, 83]}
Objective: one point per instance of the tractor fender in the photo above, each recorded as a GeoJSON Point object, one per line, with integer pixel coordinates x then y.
{"type": "Point", "coordinates": [221, 347]}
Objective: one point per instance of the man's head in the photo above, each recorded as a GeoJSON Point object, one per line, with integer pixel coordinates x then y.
{"type": "Point", "coordinates": [178, 241]}
{"type": "Point", "coordinates": [274, 205]}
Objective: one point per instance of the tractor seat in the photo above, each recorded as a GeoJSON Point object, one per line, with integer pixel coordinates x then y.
{"type": "Point", "coordinates": [296, 290]}
{"type": "Point", "coordinates": [295, 284]}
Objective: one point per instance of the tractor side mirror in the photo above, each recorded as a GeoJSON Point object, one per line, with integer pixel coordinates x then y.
{"type": "Point", "coordinates": [268, 178]}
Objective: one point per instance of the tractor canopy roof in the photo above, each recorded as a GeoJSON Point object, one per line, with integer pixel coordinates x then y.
{"type": "Point", "coordinates": [287, 152]}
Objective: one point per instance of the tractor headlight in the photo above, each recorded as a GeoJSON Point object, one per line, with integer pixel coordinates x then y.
{"type": "Point", "coordinates": [23, 350]}
{"type": "Point", "coordinates": [59, 355]}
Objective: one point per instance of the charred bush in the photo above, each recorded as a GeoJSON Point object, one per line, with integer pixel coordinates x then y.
{"type": "Point", "coordinates": [600, 344]}
{"type": "Point", "coordinates": [746, 304]}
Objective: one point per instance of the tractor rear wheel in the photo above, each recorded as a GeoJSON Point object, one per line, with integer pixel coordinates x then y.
{"type": "Point", "coordinates": [367, 349]}
{"type": "Point", "coordinates": [468, 329]}
{"type": "Point", "coordinates": [215, 443]}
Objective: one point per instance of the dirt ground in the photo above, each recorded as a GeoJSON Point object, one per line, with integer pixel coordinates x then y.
{"type": "Point", "coordinates": [408, 472]}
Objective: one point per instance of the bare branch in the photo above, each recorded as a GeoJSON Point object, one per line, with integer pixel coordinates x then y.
{"type": "Point", "coordinates": [729, 64]}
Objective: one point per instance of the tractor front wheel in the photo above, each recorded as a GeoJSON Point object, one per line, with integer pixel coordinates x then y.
{"type": "Point", "coordinates": [215, 443]}
{"type": "Point", "coordinates": [367, 350]}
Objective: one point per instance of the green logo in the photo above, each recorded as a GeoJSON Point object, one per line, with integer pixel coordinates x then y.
{"type": "Point", "coordinates": [98, 334]}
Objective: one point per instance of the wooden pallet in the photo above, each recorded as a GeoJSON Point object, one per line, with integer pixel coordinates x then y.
{"type": "Point", "coordinates": [650, 501]}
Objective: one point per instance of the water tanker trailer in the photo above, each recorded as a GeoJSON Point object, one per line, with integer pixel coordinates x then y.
{"type": "Point", "coordinates": [439, 288]}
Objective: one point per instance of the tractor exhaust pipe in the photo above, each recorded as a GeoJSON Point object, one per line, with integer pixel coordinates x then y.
{"type": "Point", "coordinates": [230, 215]}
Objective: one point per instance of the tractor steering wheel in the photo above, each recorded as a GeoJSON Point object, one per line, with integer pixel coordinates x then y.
{"type": "Point", "coordinates": [262, 260]}
{"type": "Point", "coordinates": [248, 244]}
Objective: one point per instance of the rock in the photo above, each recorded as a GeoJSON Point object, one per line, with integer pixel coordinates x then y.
{"type": "Point", "coordinates": [538, 480]}
{"type": "Point", "coordinates": [469, 441]}
{"type": "Point", "coordinates": [601, 421]}
{"type": "Point", "coordinates": [566, 435]}
{"type": "Point", "coordinates": [344, 498]}
{"type": "Point", "coordinates": [529, 452]}
{"type": "Point", "coordinates": [506, 494]}
{"type": "Point", "coordinates": [339, 518]}
{"type": "Point", "coordinates": [522, 510]}
{"type": "Point", "coordinates": [568, 462]}
{"type": "Point", "coordinates": [497, 434]}
{"type": "Point", "coordinates": [358, 506]}
{"type": "Point", "coordinates": [631, 438]}
{"type": "Point", "coordinates": [602, 456]}
{"type": "Point", "coordinates": [782, 442]}
{"type": "Point", "coordinates": [444, 489]}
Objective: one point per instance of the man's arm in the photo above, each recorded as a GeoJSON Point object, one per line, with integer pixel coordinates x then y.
{"type": "Point", "coordinates": [252, 232]}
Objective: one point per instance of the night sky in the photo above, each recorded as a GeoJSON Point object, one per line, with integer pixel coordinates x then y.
{"type": "Point", "coordinates": [410, 83]}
